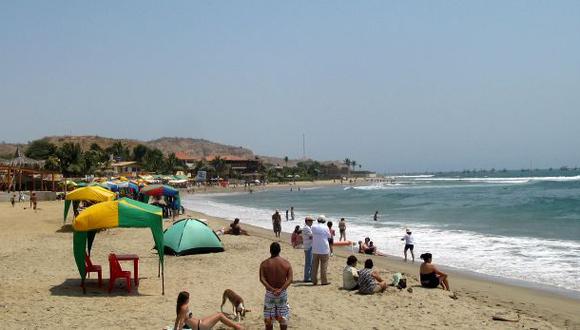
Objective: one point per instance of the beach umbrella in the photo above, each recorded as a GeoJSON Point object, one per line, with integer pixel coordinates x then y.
{"type": "Point", "coordinates": [191, 236]}
{"type": "Point", "coordinates": [125, 213]}
{"type": "Point", "coordinates": [90, 193]}
{"type": "Point", "coordinates": [159, 190]}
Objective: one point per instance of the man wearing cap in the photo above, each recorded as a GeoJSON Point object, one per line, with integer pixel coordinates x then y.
{"type": "Point", "coordinates": [307, 244]}
{"type": "Point", "coordinates": [409, 243]}
{"type": "Point", "coordinates": [320, 250]}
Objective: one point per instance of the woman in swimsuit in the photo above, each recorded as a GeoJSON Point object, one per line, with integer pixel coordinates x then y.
{"type": "Point", "coordinates": [185, 319]}
{"type": "Point", "coordinates": [430, 276]}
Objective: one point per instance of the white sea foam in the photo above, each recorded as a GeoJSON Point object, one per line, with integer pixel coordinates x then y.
{"type": "Point", "coordinates": [505, 180]}
{"type": "Point", "coordinates": [414, 176]}
{"type": "Point", "coordinates": [556, 262]}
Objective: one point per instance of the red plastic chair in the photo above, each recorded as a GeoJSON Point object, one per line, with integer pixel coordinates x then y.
{"type": "Point", "coordinates": [118, 272]}
{"type": "Point", "coordinates": [90, 268]}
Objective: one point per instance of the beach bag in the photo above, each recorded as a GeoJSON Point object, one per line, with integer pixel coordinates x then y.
{"type": "Point", "coordinates": [399, 281]}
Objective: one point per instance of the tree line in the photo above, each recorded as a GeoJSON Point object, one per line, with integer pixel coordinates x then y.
{"type": "Point", "coordinates": [71, 160]}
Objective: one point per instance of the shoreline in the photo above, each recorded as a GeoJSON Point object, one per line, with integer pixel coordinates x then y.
{"type": "Point", "coordinates": [48, 285]}
{"type": "Point", "coordinates": [546, 288]}
{"type": "Point", "coordinates": [521, 296]}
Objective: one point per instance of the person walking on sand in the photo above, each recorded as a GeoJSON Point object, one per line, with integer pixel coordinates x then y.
{"type": "Point", "coordinates": [342, 229]}
{"type": "Point", "coordinates": [33, 200]}
{"type": "Point", "coordinates": [292, 212]}
{"type": "Point", "coordinates": [409, 244]}
{"type": "Point", "coordinates": [376, 217]}
{"type": "Point", "coordinates": [277, 223]}
{"type": "Point", "coordinates": [13, 199]}
{"type": "Point", "coordinates": [307, 246]}
{"type": "Point", "coordinates": [287, 218]}
{"type": "Point", "coordinates": [430, 276]}
{"type": "Point", "coordinates": [320, 251]}
{"type": "Point", "coordinates": [276, 275]}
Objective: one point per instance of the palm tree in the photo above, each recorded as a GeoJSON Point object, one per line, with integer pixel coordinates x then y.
{"type": "Point", "coordinates": [286, 160]}
{"type": "Point", "coordinates": [347, 162]}
{"type": "Point", "coordinates": [353, 164]}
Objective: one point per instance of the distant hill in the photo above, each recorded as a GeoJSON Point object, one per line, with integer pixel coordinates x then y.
{"type": "Point", "coordinates": [195, 148]}
{"type": "Point", "coordinates": [192, 147]}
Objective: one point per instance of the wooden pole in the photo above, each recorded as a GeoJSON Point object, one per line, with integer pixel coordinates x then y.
{"type": "Point", "coordinates": [52, 179]}
{"type": "Point", "coordinates": [20, 180]}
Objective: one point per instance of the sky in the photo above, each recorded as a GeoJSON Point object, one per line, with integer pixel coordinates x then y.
{"type": "Point", "coordinates": [398, 86]}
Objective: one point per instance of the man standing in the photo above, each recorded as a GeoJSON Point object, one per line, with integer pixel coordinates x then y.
{"type": "Point", "coordinates": [277, 223]}
{"type": "Point", "coordinates": [320, 251]}
{"type": "Point", "coordinates": [276, 276]}
{"type": "Point", "coordinates": [307, 244]}
{"type": "Point", "coordinates": [292, 212]}
{"type": "Point", "coordinates": [376, 217]}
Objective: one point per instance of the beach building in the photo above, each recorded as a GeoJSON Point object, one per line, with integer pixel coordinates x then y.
{"type": "Point", "coordinates": [236, 163]}
{"type": "Point", "coordinates": [23, 173]}
{"type": "Point", "coordinates": [128, 168]}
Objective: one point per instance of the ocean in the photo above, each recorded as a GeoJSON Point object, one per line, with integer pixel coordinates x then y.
{"type": "Point", "coordinates": [522, 225]}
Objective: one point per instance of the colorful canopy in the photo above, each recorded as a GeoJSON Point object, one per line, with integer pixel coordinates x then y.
{"type": "Point", "coordinates": [128, 185]}
{"type": "Point", "coordinates": [159, 190]}
{"type": "Point", "coordinates": [120, 213]}
{"type": "Point", "coordinates": [91, 193]}
{"type": "Point", "coordinates": [191, 236]}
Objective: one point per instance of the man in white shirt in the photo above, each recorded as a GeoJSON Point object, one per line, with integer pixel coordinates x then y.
{"type": "Point", "coordinates": [307, 245]}
{"type": "Point", "coordinates": [409, 244]}
{"type": "Point", "coordinates": [320, 251]}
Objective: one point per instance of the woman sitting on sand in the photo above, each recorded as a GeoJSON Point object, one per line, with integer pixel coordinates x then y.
{"type": "Point", "coordinates": [369, 280]}
{"type": "Point", "coordinates": [296, 238]}
{"type": "Point", "coordinates": [185, 319]}
{"type": "Point", "coordinates": [430, 276]}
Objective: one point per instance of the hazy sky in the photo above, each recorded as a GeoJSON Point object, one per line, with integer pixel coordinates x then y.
{"type": "Point", "coordinates": [397, 86]}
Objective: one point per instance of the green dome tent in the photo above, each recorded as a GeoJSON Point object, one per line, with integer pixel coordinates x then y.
{"type": "Point", "coordinates": [191, 236]}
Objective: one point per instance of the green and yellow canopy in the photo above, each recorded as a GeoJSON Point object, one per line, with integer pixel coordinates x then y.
{"type": "Point", "coordinates": [91, 193]}
{"type": "Point", "coordinates": [125, 213]}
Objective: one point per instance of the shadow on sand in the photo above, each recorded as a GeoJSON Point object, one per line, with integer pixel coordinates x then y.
{"type": "Point", "coordinates": [72, 288]}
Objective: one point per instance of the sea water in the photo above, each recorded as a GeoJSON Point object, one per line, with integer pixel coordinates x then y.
{"type": "Point", "coordinates": [522, 225]}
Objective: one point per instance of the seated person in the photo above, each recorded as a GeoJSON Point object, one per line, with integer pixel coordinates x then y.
{"type": "Point", "coordinates": [350, 274]}
{"type": "Point", "coordinates": [366, 247]}
{"type": "Point", "coordinates": [373, 249]}
{"type": "Point", "coordinates": [296, 238]}
{"type": "Point", "coordinates": [369, 280]}
{"type": "Point", "coordinates": [430, 276]}
{"type": "Point", "coordinates": [185, 319]}
{"type": "Point", "coordinates": [236, 229]}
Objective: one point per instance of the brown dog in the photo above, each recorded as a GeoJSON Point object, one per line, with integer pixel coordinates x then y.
{"type": "Point", "coordinates": [237, 304]}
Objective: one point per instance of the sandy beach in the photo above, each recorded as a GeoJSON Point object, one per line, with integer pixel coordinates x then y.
{"type": "Point", "coordinates": [39, 285]}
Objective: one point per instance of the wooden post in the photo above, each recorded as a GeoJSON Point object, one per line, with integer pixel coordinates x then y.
{"type": "Point", "coordinates": [20, 180]}
{"type": "Point", "coordinates": [52, 179]}
{"type": "Point", "coordinates": [33, 181]}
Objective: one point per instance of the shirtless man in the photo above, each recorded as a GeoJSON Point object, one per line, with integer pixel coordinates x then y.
{"type": "Point", "coordinates": [276, 276]}
{"type": "Point", "coordinates": [236, 229]}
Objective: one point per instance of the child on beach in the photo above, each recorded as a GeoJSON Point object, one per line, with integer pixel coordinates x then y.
{"type": "Point", "coordinates": [331, 239]}
{"type": "Point", "coordinates": [296, 238]}
{"type": "Point", "coordinates": [13, 199]}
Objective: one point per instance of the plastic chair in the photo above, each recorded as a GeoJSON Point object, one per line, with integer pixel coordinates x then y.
{"type": "Point", "coordinates": [90, 268]}
{"type": "Point", "coordinates": [118, 272]}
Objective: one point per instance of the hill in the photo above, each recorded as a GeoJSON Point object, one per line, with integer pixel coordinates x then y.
{"type": "Point", "coordinates": [192, 147]}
